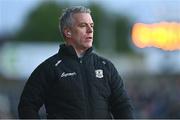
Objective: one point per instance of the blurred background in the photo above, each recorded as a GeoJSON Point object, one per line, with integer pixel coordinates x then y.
{"type": "Point", "coordinates": [29, 34]}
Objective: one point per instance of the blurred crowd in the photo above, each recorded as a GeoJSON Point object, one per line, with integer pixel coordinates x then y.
{"type": "Point", "coordinates": [155, 96]}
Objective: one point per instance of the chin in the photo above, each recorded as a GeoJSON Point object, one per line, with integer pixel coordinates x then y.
{"type": "Point", "coordinates": [87, 45]}
{"type": "Point", "coordinates": [90, 45]}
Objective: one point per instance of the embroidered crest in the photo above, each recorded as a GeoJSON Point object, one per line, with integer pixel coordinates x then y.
{"type": "Point", "coordinates": [99, 73]}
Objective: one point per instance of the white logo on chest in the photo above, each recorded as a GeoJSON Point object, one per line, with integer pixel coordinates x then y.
{"type": "Point", "coordinates": [99, 73]}
{"type": "Point", "coordinates": [67, 74]}
{"type": "Point", "coordinates": [58, 62]}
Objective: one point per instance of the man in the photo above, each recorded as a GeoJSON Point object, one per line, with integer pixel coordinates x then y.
{"type": "Point", "coordinates": [75, 82]}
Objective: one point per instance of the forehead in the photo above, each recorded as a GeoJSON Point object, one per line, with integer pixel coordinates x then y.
{"type": "Point", "coordinates": [82, 18]}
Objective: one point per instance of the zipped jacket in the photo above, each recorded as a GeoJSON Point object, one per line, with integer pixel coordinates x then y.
{"type": "Point", "coordinates": [72, 87]}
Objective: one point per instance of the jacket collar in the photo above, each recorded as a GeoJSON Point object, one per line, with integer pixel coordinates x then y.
{"type": "Point", "coordinates": [68, 50]}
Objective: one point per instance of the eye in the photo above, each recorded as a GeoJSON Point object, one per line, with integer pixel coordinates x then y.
{"type": "Point", "coordinates": [82, 25]}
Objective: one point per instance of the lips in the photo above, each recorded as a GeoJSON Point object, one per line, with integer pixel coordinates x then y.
{"type": "Point", "coordinates": [89, 37]}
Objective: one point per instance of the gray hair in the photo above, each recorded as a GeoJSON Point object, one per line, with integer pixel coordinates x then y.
{"type": "Point", "coordinates": [66, 19]}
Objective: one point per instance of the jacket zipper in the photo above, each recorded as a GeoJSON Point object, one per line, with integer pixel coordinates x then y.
{"type": "Point", "coordinates": [85, 87]}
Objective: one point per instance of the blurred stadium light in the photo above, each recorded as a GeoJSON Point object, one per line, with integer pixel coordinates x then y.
{"type": "Point", "coordinates": [163, 35]}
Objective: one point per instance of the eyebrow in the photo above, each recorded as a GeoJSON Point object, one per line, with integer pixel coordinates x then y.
{"type": "Point", "coordinates": [85, 23]}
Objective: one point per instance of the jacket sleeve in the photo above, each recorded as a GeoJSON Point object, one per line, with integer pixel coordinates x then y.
{"type": "Point", "coordinates": [32, 97]}
{"type": "Point", "coordinates": [119, 100]}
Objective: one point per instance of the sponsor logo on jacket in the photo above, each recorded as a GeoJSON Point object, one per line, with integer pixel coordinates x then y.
{"type": "Point", "coordinates": [68, 74]}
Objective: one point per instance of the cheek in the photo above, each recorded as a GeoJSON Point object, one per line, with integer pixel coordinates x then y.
{"type": "Point", "coordinates": [81, 36]}
{"type": "Point", "coordinates": [78, 38]}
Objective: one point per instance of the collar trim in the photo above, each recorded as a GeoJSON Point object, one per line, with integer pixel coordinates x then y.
{"type": "Point", "coordinates": [68, 50]}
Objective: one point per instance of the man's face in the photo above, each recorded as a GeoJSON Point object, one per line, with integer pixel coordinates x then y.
{"type": "Point", "coordinates": [82, 31]}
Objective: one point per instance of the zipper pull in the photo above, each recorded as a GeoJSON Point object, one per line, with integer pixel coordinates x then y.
{"type": "Point", "coordinates": [80, 61]}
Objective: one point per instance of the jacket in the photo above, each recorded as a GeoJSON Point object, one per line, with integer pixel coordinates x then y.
{"type": "Point", "coordinates": [72, 87]}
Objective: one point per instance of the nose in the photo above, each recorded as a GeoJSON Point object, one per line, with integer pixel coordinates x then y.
{"type": "Point", "coordinates": [89, 29]}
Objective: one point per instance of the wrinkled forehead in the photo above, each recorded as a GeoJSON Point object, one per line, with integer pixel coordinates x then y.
{"type": "Point", "coordinates": [82, 18]}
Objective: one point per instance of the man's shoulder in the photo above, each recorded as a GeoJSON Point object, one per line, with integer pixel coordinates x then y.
{"type": "Point", "coordinates": [49, 61]}
{"type": "Point", "coordinates": [101, 58]}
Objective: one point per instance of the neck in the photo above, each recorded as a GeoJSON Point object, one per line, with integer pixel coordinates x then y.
{"type": "Point", "coordinates": [79, 52]}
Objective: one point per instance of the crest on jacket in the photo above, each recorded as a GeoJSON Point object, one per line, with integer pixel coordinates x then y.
{"type": "Point", "coordinates": [99, 73]}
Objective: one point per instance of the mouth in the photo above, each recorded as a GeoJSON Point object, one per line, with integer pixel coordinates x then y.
{"type": "Point", "coordinates": [89, 38]}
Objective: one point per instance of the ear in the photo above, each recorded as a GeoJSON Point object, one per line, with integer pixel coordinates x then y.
{"type": "Point", "coordinates": [67, 33]}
